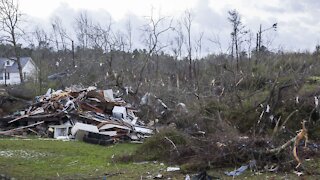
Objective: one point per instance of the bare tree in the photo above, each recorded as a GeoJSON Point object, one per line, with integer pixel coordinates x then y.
{"type": "Point", "coordinates": [107, 42]}
{"type": "Point", "coordinates": [42, 42]}
{"type": "Point", "coordinates": [10, 19]}
{"type": "Point", "coordinates": [216, 41]}
{"type": "Point", "coordinates": [153, 30]}
{"type": "Point", "coordinates": [249, 43]}
{"type": "Point", "coordinates": [61, 33]}
{"type": "Point", "coordinates": [120, 41]}
{"type": "Point", "coordinates": [259, 35]}
{"type": "Point", "coordinates": [198, 50]}
{"type": "Point", "coordinates": [129, 35]}
{"type": "Point", "coordinates": [41, 37]}
{"type": "Point", "coordinates": [187, 22]}
{"type": "Point", "coordinates": [83, 25]}
{"type": "Point", "coordinates": [178, 41]}
{"type": "Point", "coordinates": [102, 37]}
{"type": "Point", "coordinates": [176, 48]}
{"type": "Point", "coordinates": [199, 45]}
{"type": "Point", "coordinates": [237, 30]}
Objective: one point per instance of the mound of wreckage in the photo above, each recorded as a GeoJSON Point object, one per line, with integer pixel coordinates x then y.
{"type": "Point", "coordinates": [87, 114]}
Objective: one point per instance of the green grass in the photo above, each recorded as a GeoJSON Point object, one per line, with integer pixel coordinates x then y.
{"type": "Point", "coordinates": [48, 159]}
{"type": "Point", "coordinates": [51, 159]}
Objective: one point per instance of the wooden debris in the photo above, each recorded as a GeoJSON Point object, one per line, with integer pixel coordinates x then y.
{"type": "Point", "coordinates": [303, 134]}
{"type": "Point", "coordinates": [20, 128]}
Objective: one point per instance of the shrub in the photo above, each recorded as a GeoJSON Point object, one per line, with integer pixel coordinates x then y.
{"type": "Point", "coordinates": [159, 147]}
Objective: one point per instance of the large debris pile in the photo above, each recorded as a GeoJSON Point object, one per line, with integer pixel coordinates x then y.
{"type": "Point", "coordinates": [87, 114]}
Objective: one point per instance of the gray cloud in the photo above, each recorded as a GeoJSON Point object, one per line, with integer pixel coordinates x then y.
{"type": "Point", "coordinates": [298, 24]}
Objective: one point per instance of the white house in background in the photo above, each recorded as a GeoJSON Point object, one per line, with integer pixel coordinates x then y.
{"type": "Point", "coordinates": [9, 73]}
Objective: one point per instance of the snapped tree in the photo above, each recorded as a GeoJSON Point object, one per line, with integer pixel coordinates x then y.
{"type": "Point", "coordinates": [187, 22]}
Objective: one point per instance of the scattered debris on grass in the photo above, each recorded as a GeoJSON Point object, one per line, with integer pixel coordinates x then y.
{"type": "Point", "coordinates": [171, 169]}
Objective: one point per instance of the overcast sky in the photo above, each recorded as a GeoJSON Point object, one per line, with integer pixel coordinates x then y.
{"type": "Point", "coordinates": [298, 24]}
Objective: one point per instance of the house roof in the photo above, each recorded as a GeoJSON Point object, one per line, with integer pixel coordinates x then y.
{"type": "Point", "coordinates": [14, 67]}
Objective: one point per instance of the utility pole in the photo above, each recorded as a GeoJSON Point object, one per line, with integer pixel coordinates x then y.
{"type": "Point", "coordinates": [73, 60]}
{"type": "Point", "coordinates": [260, 39]}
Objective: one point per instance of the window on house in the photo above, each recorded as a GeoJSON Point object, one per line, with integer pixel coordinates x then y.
{"type": "Point", "coordinates": [24, 75]}
{"type": "Point", "coordinates": [7, 76]}
{"type": "Point", "coordinates": [8, 63]}
{"type": "Point", "coordinates": [1, 76]}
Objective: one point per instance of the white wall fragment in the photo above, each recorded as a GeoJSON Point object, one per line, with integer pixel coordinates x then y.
{"type": "Point", "coordinates": [119, 112]}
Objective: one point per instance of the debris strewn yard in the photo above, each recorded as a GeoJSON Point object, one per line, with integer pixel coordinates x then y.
{"type": "Point", "coordinates": [63, 123]}
{"type": "Point", "coordinates": [98, 96]}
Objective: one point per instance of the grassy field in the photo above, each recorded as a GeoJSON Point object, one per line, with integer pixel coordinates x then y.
{"type": "Point", "coordinates": [51, 159]}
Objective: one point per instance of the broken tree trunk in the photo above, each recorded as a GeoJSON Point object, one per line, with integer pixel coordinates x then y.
{"type": "Point", "coordinates": [302, 134]}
